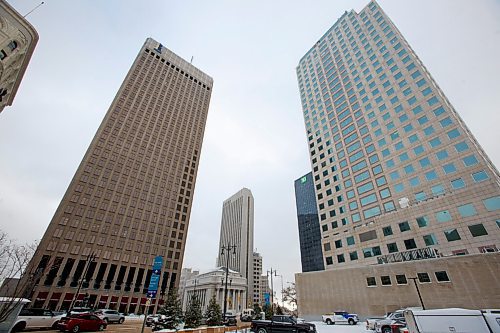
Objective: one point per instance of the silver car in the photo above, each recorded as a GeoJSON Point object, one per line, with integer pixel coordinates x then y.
{"type": "Point", "coordinates": [110, 316]}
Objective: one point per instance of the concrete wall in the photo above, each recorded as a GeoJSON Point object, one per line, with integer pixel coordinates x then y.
{"type": "Point", "coordinates": [474, 284]}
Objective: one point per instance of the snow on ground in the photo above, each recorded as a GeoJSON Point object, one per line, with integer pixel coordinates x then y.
{"type": "Point", "coordinates": [321, 327]}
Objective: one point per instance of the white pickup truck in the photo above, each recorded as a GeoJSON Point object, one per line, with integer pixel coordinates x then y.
{"type": "Point", "coordinates": [35, 319]}
{"type": "Point", "coordinates": [340, 317]}
{"type": "Point", "coordinates": [452, 320]}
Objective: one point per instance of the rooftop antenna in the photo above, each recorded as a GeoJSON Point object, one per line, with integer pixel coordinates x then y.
{"type": "Point", "coordinates": [31, 11]}
{"type": "Point", "coordinates": [192, 59]}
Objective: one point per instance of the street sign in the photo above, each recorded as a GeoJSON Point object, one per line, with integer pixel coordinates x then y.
{"type": "Point", "coordinates": [155, 277]}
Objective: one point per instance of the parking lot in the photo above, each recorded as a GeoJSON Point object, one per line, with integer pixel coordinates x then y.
{"type": "Point", "coordinates": [134, 325]}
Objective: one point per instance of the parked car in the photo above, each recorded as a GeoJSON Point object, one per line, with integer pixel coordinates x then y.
{"type": "Point", "coordinates": [340, 317]}
{"type": "Point", "coordinates": [281, 324]}
{"type": "Point", "coordinates": [453, 320]}
{"type": "Point", "coordinates": [110, 316]}
{"type": "Point", "coordinates": [76, 310]}
{"type": "Point", "coordinates": [370, 322]}
{"type": "Point", "coordinates": [150, 319]}
{"type": "Point", "coordinates": [35, 319]}
{"type": "Point", "coordinates": [81, 322]}
{"type": "Point", "coordinates": [384, 325]}
{"type": "Point", "coordinates": [230, 320]}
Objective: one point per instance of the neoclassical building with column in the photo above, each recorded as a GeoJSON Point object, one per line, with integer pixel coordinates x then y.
{"type": "Point", "coordinates": [205, 285]}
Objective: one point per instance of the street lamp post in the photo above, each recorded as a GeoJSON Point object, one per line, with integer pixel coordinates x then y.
{"type": "Point", "coordinates": [228, 248]}
{"type": "Point", "coordinates": [282, 300]}
{"type": "Point", "coordinates": [272, 289]}
{"type": "Point", "coordinates": [90, 259]}
{"type": "Point", "coordinates": [418, 291]}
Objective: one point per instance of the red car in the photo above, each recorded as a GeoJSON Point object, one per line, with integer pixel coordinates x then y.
{"type": "Point", "coordinates": [81, 322]}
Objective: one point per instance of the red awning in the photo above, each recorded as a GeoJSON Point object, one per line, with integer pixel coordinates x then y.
{"type": "Point", "coordinates": [143, 300]}
{"type": "Point", "coordinates": [55, 296]}
{"type": "Point", "coordinates": [68, 296]}
{"type": "Point", "coordinates": [133, 300]}
{"type": "Point", "coordinates": [124, 299]}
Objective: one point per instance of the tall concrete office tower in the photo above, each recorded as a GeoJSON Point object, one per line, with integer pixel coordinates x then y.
{"type": "Point", "coordinates": [130, 199]}
{"type": "Point", "coordinates": [398, 175]}
{"type": "Point", "coordinates": [311, 255]}
{"type": "Point", "coordinates": [237, 229]}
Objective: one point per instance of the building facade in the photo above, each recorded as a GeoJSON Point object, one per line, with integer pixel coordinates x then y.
{"type": "Point", "coordinates": [18, 39]}
{"type": "Point", "coordinates": [311, 255]}
{"type": "Point", "coordinates": [186, 275]}
{"type": "Point", "coordinates": [237, 229]}
{"type": "Point", "coordinates": [398, 175]}
{"type": "Point", "coordinates": [206, 285]}
{"type": "Point", "coordinates": [257, 273]}
{"type": "Point", "coordinates": [264, 290]}
{"type": "Point", "coordinates": [130, 199]}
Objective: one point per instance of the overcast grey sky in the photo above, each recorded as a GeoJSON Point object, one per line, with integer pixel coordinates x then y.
{"type": "Point", "coordinates": [255, 134]}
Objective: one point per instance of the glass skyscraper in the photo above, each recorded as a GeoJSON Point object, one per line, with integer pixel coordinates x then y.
{"type": "Point", "coordinates": [397, 173]}
{"type": "Point", "coordinates": [309, 232]}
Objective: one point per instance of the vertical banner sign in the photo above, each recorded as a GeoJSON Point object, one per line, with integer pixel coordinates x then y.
{"type": "Point", "coordinates": [155, 277]}
{"type": "Point", "coordinates": [267, 298]}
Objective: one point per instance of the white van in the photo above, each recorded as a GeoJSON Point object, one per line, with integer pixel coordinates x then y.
{"type": "Point", "coordinates": [452, 320]}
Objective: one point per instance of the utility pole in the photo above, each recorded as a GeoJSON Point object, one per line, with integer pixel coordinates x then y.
{"type": "Point", "coordinates": [90, 259]}
{"type": "Point", "coordinates": [228, 248]}
{"type": "Point", "coordinates": [272, 289]}
{"type": "Point", "coordinates": [418, 291]}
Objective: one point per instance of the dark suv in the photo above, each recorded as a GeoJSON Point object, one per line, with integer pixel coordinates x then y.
{"type": "Point", "coordinates": [282, 324]}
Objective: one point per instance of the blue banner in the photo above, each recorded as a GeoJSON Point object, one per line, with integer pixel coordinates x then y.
{"type": "Point", "coordinates": [155, 277]}
{"type": "Point", "coordinates": [267, 298]}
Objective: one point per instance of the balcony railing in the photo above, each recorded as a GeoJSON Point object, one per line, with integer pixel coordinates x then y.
{"type": "Point", "coordinates": [417, 254]}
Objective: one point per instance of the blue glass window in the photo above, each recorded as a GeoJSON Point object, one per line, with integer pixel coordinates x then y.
{"type": "Point", "coordinates": [425, 162]}
{"type": "Point", "coordinates": [439, 111]}
{"type": "Point", "coordinates": [445, 122]}
{"type": "Point", "coordinates": [414, 181]}
{"type": "Point", "coordinates": [409, 169]}
{"type": "Point", "coordinates": [404, 157]}
{"type": "Point", "coordinates": [442, 154]}
{"type": "Point", "coordinates": [426, 91]}
{"type": "Point", "coordinates": [389, 206]}
{"type": "Point", "coordinates": [376, 170]}
{"type": "Point", "coordinates": [454, 133]}
{"type": "Point", "coordinates": [389, 163]}
{"type": "Point", "coordinates": [381, 181]}
{"type": "Point", "coordinates": [399, 145]}
{"type": "Point", "coordinates": [394, 175]}
{"type": "Point", "coordinates": [413, 138]}
{"type": "Point", "coordinates": [408, 128]}
{"type": "Point", "coordinates": [368, 200]}
{"type": "Point", "coordinates": [412, 100]}
{"type": "Point", "coordinates": [386, 152]}
{"type": "Point", "coordinates": [470, 160]}
{"type": "Point", "coordinates": [480, 176]}
{"type": "Point", "coordinates": [373, 159]}
{"type": "Point", "coordinates": [458, 183]}
{"type": "Point", "coordinates": [437, 189]}
{"type": "Point", "coordinates": [449, 168]}
{"type": "Point", "coordinates": [399, 187]}
{"type": "Point", "coordinates": [353, 205]}
{"type": "Point", "coordinates": [371, 212]}
{"type": "Point", "coordinates": [492, 204]}
{"type": "Point", "coordinates": [365, 188]}
{"type": "Point", "coordinates": [433, 100]}
{"type": "Point", "coordinates": [420, 196]}
{"type": "Point", "coordinates": [416, 110]}
{"type": "Point", "coordinates": [443, 216]}
{"type": "Point", "coordinates": [429, 130]}
{"type": "Point", "coordinates": [422, 120]}
{"type": "Point", "coordinates": [467, 210]}
{"type": "Point", "coordinates": [421, 82]}
{"type": "Point", "coordinates": [431, 175]}
{"type": "Point", "coordinates": [418, 150]}
{"type": "Point", "coordinates": [452, 235]}
{"type": "Point", "coordinates": [435, 142]}
{"type": "Point", "coordinates": [385, 193]}
{"type": "Point", "coordinates": [422, 221]}
{"type": "Point", "coordinates": [461, 146]}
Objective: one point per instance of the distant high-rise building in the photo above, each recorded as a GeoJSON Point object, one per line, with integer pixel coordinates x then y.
{"type": "Point", "coordinates": [257, 273]}
{"type": "Point", "coordinates": [264, 289]}
{"type": "Point", "coordinates": [186, 274]}
{"type": "Point", "coordinates": [18, 39]}
{"type": "Point", "coordinates": [398, 176]}
{"type": "Point", "coordinates": [309, 230]}
{"type": "Point", "coordinates": [130, 199]}
{"type": "Point", "coordinates": [237, 229]}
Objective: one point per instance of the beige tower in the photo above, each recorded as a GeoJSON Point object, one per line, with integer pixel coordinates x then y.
{"type": "Point", "coordinates": [237, 229]}
{"type": "Point", "coordinates": [130, 199]}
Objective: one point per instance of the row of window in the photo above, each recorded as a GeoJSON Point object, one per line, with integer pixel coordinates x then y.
{"type": "Point", "coordinates": [401, 279]}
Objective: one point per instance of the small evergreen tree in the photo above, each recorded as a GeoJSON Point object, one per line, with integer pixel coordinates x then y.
{"type": "Point", "coordinates": [268, 310]}
{"type": "Point", "coordinates": [172, 310]}
{"type": "Point", "coordinates": [193, 315]}
{"type": "Point", "coordinates": [256, 311]}
{"type": "Point", "coordinates": [279, 310]}
{"type": "Point", "coordinates": [213, 313]}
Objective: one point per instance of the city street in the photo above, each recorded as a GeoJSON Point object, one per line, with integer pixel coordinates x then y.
{"type": "Point", "coordinates": [134, 325]}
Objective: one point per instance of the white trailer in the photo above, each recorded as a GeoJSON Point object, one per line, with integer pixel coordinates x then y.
{"type": "Point", "coordinates": [452, 320]}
